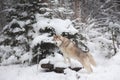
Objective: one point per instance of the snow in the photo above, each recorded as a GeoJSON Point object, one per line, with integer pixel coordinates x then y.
{"type": "Point", "coordinates": [58, 61]}
{"type": "Point", "coordinates": [41, 38]}
{"type": "Point", "coordinates": [11, 60]}
{"type": "Point", "coordinates": [63, 26]}
{"type": "Point", "coordinates": [98, 40]}
{"type": "Point", "coordinates": [16, 30]}
{"type": "Point", "coordinates": [25, 57]}
{"type": "Point", "coordinates": [58, 24]}
{"type": "Point", "coordinates": [107, 69]}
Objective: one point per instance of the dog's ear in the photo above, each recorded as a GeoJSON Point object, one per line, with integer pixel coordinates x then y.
{"type": "Point", "coordinates": [55, 37]}
{"type": "Point", "coordinates": [59, 36]}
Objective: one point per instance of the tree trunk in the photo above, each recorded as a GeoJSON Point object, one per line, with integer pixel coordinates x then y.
{"type": "Point", "coordinates": [77, 9]}
{"type": "Point", "coordinates": [61, 2]}
{"type": "Point", "coordinates": [2, 15]}
{"type": "Point", "coordinates": [113, 40]}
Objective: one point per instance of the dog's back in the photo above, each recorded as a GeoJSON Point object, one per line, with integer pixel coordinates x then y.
{"type": "Point", "coordinates": [91, 59]}
{"type": "Point", "coordinates": [85, 58]}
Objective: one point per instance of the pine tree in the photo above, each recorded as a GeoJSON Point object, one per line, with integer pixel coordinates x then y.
{"type": "Point", "coordinates": [17, 34]}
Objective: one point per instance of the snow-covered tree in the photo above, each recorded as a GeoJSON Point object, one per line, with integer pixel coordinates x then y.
{"type": "Point", "coordinates": [18, 33]}
{"type": "Point", "coordinates": [28, 35]}
{"type": "Point", "coordinates": [31, 24]}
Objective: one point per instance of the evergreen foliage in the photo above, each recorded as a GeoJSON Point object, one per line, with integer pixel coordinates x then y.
{"type": "Point", "coordinates": [21, 39]}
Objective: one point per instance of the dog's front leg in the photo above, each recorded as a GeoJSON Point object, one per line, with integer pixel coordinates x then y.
{"type": "Point", "coordinates": [69, 60]}
{"type": "Point", "coordinates": [65, 58]}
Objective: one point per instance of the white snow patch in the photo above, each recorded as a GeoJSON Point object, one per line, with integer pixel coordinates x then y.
{"type": "Point", "coordinates": [107, 69]}
{"type": "Point", "coordinates": [11, 60]}
{"type": "Point", "coordinates": [41, 38]}
{"type": "Point", "coordinates": [58, 24]}
{"type": "Point", "coordinates": [25, 57]}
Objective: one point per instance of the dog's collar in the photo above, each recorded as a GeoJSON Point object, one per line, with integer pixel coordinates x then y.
{"type": "Point", "coordinates": [61, 43]}
{"type": "Point", "coordinates": [65, 44]}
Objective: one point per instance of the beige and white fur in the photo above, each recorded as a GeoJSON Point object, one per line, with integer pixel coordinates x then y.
{"type": "Point", "coordinates": [71, 50]}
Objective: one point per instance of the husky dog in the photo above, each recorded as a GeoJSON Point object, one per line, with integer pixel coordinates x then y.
{"type": "Point", "coordinates": [71, 50]}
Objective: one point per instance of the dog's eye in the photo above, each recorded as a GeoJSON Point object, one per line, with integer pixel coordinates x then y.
{"type": "Point", "coordinates": [55, 42]}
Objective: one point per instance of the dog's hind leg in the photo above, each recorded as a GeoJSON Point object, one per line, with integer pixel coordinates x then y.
{"type": "Point", "coordinates": [69, 60]}
{"type": "Point", "coordinates": [86, 64]}
{"type": "Point", "coordinates": [65, 58]}
{"type": "Point", "coordinates": [91, 59]}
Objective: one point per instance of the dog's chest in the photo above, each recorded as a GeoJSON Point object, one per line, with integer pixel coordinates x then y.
{"type": "Point", "coordinates": [58, 43]}
{"type": "Point", "coordinates": [63, 50]}
{"type": "Point", "coordinates": [66, 50]}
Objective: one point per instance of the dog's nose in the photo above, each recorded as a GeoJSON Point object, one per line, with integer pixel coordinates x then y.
{"type": "Point", "coordinates": [53, 39]}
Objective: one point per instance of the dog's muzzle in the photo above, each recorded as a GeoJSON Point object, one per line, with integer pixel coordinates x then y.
{"type": "Point", "coordinates": [54, 41]}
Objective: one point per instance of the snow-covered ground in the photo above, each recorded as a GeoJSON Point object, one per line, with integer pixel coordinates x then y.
{"type": "Point", "coordinates": [107, 69]}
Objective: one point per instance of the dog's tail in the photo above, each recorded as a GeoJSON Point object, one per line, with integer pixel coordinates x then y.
{"type": "Point", "coordinates": [91, 60]}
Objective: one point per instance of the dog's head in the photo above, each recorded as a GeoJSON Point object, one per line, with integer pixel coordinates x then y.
{"type": "Point", "coordinates": [58, 39]}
